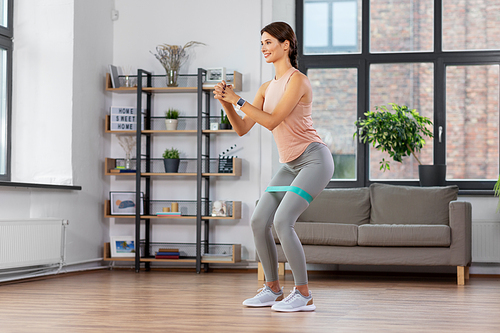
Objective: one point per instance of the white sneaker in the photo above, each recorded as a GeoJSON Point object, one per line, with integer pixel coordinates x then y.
{"type": "Point", "coordinates": [265, 297]}
{"type": "Point", "coordinates": [295, 302]}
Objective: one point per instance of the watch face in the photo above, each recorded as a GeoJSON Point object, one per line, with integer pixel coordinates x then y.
{"type": "Point", "coordinates": [240, 102]}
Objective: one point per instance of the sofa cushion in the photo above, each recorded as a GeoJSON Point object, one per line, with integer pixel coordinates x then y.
{"type": "Point", "coordinates": [403, 235]}
{"type": "Point", "coordinates": [411, 205]}
{"type": "Point", "coordinates": [347, 206]}
{"type": "Point", "coordinates": [313, 233]}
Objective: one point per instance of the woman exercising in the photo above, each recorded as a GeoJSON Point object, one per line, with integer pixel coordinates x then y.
{"type": "Point", "coordinates": [283, 106]}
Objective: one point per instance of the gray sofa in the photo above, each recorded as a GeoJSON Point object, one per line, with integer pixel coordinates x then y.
{"type": "Point", "coordinates": [386, 225]}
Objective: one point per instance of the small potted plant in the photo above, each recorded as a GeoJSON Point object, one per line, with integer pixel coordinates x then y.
{"type": "Point", "coordinates": [400, 133]}
{"type": "Point", "coordinates": [224, 121]}
{"type": "Point", "coordinates": [171, 119]}
{"type": "Point", "coordinates": [171, 160]}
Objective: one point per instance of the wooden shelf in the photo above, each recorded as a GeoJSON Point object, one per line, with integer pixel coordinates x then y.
{"type": "Point", "coordinates": [169, 132]}
{"type": "Point", "coordinates": [109, 86]}
{"type": "Point", "coordinates": [237, 86]}
{"type": "Point", "coordinates": [219, 131]}
{"type": "Point", "coordinates": [110, 163]}
{"type": "Point", "coordinates": [236, 257]}
{"type": "Point", "coordinates": [107, 127]}
{"type": "Point", "coordinates": [236, 214]}
{"type": "Point", "coordinates": [236, 170]}
{"type": "Point", "coordinates": [174, 174]}
{"type": "Point", "coordinates": [107, 257]}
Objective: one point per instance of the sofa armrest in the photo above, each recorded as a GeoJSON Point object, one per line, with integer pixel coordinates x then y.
{"type": "Point", "coordinates": [461, 233]}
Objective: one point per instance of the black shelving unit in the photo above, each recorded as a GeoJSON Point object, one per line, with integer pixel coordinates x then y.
{"type": "Point", "coordinates": [202, 252]}
{"type": "Point", "coordinates": [202, 182]}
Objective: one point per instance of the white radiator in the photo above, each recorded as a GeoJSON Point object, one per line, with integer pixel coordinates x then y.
{"type": "Point", "coordinates": [32, 242]}
{"type": "Point", "coordinates": [485, 242]}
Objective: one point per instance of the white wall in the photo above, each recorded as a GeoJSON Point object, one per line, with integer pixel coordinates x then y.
{"type": "Point", "coordinates": [231, 32]}
{"type": "Point", "coordinates": [61, 51]}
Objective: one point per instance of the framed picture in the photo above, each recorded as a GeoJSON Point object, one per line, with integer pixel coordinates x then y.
{"type": "Point", "coordinates": [114, 72]}
{"type": "Point", "coordinates": [123, 203]}
{"type": "Point", "coordinates": [122, 246]}
{"type": "Point", "coordinates": [216, 74]}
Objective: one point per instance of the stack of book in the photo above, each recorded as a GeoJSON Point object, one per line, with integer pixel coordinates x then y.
{"type": "Point", "coordinates": [168, 214]}
{"type": "Point", "coordinates": [167, 254]}
{"type": "Point", "coordinates": [121, 169]}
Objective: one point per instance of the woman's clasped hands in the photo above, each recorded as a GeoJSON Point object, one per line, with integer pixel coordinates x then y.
{"type": "Point", "coordinates": [224, 93]}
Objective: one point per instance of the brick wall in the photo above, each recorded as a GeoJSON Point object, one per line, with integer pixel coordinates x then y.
{"type": "Point", "coordinates": [472, 92]}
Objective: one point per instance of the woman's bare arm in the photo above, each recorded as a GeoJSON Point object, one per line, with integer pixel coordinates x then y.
{"type": "Point", "coordinates": [298, 89]}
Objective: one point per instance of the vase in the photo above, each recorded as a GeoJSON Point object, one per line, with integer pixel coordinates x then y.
{"type": "Point", "coordinates": [172, 75]}
{"type": "Point", "coordinates": [171, 124]}
{"type": "Point", "coordinates": [127, 161]}
{"type": "Point", "coordinates": [171, 165]}
{"type": "Point", "coordinates": [432, 175]}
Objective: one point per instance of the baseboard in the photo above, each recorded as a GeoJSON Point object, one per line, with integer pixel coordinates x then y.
{"type": "Point", "coordinates": [40, 272]}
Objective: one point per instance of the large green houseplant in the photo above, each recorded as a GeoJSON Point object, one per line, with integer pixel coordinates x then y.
{"type": "Point", "coordinates": [399, 132]}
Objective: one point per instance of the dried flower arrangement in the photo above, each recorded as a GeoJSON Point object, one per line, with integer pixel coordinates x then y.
{"type": "Point", "coordinates": [127, 142]}
{"type": "Point", "coordinates": [172, 57]}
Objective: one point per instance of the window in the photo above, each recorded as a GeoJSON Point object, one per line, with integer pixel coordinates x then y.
{"type": "Point", "coordinates": [472, 115]}
{"type": "Point", "coordinates": [334, 115]}
{"type": "Point", "coordinates": [407, 84]}
{"type": "Point", "coordinates": [5, 86]}
{"type": "Point", "coordinates": [331, 26]}
{"type": "Point", "coordinates": [440, 57]}
{"type": "Point", "coordinates": [471, 25]}
{"type": "Point", "coordinates": [401, 25]}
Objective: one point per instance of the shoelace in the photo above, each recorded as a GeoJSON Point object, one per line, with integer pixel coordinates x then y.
{"type": "Point", "coordinates": [290, 297]}
{"type": "Point", "coordinates": [261, 291]}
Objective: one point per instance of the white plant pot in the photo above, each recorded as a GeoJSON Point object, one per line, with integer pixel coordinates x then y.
{"type": "Point", "coordinates": [171, 124]}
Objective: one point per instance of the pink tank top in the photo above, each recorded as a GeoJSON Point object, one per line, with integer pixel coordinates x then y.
{"type": "Point", "coordinates": [295, 132]}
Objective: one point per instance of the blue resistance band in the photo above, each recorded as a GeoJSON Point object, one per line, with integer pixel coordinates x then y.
{"type": "Point", "coordinates": [294, 189]}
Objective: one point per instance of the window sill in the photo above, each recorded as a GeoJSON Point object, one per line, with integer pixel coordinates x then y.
{"type": "Point", "coordinates": [43, 186]}
{"type": "Point", "coordinates": [476, 192]}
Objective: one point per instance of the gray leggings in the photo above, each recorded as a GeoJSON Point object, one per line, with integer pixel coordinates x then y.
{"type": "Point", "coordinates": [310, 172]}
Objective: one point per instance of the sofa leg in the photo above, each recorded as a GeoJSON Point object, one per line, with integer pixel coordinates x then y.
{"type": "Point", "coordinates": [260, 271]}
{"type": "Point", "coordinates": [281, 269]}
{"type": "Point", "coordinates": [462, 275]}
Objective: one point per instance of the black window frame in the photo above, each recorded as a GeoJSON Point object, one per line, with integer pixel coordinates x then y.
{"type": "Point", "coordinates": [6, 35]}
{"type": "Point", "coordinates": [362, 61]}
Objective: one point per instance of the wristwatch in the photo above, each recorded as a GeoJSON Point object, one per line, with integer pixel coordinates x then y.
{"type": "Point", "coordinates": [240, 103]}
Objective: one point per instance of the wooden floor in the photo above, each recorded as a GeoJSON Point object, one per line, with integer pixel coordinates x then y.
{"type": "Point", "coordinates": [166, 301]}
